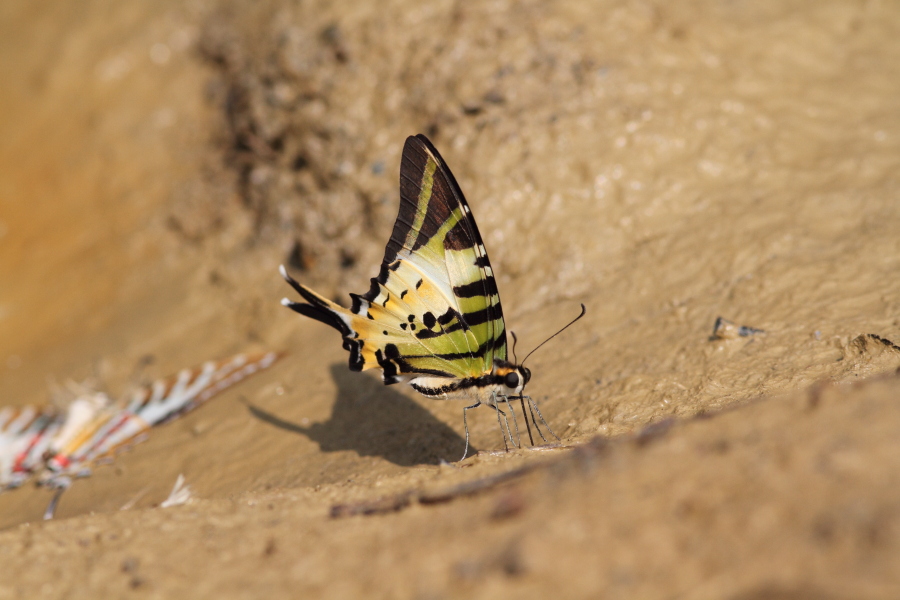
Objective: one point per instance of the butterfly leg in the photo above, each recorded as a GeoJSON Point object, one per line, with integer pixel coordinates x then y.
{"type": "Point", "coordinates": [61, 484]}
{"type": "Point", "coordinates": [466, 425]}
{"type": "Point", "coordinates": [500, 424]}
{"type": "Point", "coordinates": [508, 433]}
{"type": "Point", "coordinates": [534, 420]}
{"type": "Point", "coordinates": [527, 424]}
{"type": "Point", "coordinates": [518, 442]}
{"type": "Point", "coordinates": [534, 406]}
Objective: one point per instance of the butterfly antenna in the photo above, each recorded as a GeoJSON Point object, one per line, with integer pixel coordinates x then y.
{"type": "Point", "coordinates": [515, 340]}
{"type": "Point", "coordinates": [572, 322]}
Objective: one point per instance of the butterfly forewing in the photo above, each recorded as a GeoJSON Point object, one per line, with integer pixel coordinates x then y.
{"type": "Point", "coordinates": [434, 307]}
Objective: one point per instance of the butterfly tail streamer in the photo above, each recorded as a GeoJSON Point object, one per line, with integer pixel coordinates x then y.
{"type": "Point", "coordinates": [319, 308]}
{"type": "Point", "coordinates": [336, 316]}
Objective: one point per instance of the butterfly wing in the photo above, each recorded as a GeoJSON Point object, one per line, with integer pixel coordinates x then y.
{"type": "Point", "coordinates": [24, 435]}
{"type": "Point", "coordinates": [101, 433]}
{"type": "Point", "coordinates": [434, 308]}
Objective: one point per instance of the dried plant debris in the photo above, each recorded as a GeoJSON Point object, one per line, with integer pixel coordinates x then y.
{"type": "Point", "coordinates": [180, 494]}
{"type": "Point", "coordinates": [727, 330]}
{"type": "Point", "coordinates": [57, 445]}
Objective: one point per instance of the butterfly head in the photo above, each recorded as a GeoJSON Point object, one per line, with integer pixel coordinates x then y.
{"type": "Point", "coordinates": [512, 377]}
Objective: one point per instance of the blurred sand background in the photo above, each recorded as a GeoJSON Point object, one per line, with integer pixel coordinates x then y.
{"type": "Point", "coordinates": [664, 164]}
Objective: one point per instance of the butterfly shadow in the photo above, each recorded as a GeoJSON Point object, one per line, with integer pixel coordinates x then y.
{"type": "Point", "coordinates": [375, 420]}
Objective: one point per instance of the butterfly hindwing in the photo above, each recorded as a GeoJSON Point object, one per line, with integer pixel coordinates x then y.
{"type": "Point", "coordinates": [433, 309]}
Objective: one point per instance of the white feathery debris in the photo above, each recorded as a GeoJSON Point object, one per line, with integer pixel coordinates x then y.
{"type": "Point", "coordinates": [181, 494]}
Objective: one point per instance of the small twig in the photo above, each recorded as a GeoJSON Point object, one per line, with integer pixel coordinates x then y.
{"type": "Point", "coordinates": [389, 504]}
{"type": "Point", "coordinates": [380, 506]}
{"type": "Point", "coordinates": [471, 488]}
{"type": "Point", "coordinates": [130, 504]}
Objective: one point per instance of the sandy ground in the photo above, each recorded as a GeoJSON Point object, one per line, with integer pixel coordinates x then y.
{"type": "Point", "coordinates": [663, 165]}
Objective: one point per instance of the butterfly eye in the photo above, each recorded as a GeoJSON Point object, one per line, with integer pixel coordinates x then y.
{"type": "Point", "coordinates": [512, 380]}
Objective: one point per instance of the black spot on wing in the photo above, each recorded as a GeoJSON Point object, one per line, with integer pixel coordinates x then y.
{"type": "Point", "coordinates": [374, 289]}
{"type": "Point", "coordinates": [448, 316]}
{"type": "Point", "coordinates": [355, 348]}
{"type": "Point", "coordinates": [446, 322]}
{"type": "Point", "coordinates": [430, 321]}
{"type": "Point", "coordinates": [427, 334]}
{"type": "Point", "coordinates": [394, 364]}
{"type": "Point", "coordinates": [386, 362]}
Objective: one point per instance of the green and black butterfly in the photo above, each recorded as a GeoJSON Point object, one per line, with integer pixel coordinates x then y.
{"type": "Point", "coordinates": [432, 316]}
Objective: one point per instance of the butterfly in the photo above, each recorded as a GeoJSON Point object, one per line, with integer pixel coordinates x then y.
{"type": "Point", "coordinates": [60, 445]}
{"type": "Point", "coordinates": [432, 317]}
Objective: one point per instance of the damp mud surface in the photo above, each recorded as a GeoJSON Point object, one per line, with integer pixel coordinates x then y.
{"type": "Point", "coordinates": [663, 164]}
